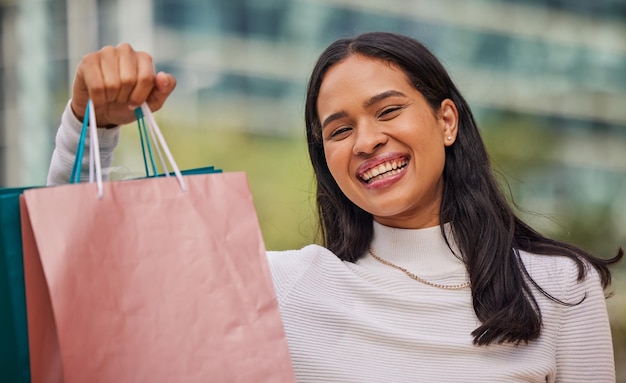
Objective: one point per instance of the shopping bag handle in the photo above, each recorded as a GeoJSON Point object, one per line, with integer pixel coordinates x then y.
{"type": "Point", "coordinates": [145, 146]}
{"type": "Point", "coordinates": [153, 129]}
{"type": "Point", "coordinates": [88, 128]}
{"type": "Point", "coordinates": [80, 148]}
{"type": "Point", "coordinates": [144, 138]}
{"type": "Point", "coordinates": [95, 169]}
{"type": "Point", "coordinates": [143, 132]}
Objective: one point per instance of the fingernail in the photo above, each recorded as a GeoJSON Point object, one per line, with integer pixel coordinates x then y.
{"type": "Point", "coordinates": [132, 107]}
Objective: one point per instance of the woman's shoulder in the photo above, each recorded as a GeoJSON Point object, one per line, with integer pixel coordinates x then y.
{"type": "Point", "coordinates": [291, 262]}
{"type": "Point", "coordinates": [560, 274]}
{"type": "Point", "coordinates": [547, 266]}
{"type": "Point", "coordinates": [298, 258]}
{"type": "Point", "coordinates": [552, 266]}
{"type": "Point", "coordinates": [289, 266]}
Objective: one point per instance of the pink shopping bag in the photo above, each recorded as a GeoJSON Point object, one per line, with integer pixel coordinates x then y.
{"type": "Point", "coordinates": [150, 283]}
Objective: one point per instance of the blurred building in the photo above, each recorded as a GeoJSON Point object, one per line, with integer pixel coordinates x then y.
{"type": "Point", "coordinates": [243, 64]}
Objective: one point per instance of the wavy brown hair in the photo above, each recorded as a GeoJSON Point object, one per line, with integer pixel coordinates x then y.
{"type": "Point", "coordinates": [489, 234]}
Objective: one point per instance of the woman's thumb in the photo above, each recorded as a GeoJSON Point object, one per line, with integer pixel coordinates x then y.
{"type": "Point", "coordinates": [164, 86]}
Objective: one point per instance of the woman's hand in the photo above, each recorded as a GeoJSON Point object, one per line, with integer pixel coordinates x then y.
{"type": "Point", "coordinates": [118, 79]}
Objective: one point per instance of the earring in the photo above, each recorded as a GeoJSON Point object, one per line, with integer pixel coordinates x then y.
{"type": "Point", "coordinates": [449, 138]}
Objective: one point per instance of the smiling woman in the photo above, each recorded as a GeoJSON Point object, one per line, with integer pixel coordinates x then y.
{"type": "Point", "coordinates": [423, 261]}
{"type": "Point", "coordinates": [384, 145]}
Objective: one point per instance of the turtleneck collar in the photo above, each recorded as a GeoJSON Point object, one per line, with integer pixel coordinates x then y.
{"type": "Point", "coordinates": [421, 251]}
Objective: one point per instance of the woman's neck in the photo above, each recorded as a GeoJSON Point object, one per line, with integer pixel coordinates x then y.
{"type": "Point", "coordinates": [424, 251]}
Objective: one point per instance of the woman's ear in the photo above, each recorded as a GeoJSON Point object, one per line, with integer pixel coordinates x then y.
{"type": "Point", "coordinates": [449, 121]}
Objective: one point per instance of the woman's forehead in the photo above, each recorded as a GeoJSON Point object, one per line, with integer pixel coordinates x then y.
{"type": "Point", "coordinates": [361, 77]}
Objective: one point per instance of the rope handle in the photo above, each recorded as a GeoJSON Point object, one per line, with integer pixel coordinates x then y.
{"type": "Point", "coordinates": [149, 131]}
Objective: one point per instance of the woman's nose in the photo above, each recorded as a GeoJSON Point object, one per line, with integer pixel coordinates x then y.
{"type": "Point", "coordinates": [369, 137]}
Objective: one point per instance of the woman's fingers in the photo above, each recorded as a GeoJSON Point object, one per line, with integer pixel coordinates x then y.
{"type": "Point", "coordinates": [88, 83]}
{"type": "Point", "coordinates": [127, 64]}
{"type": "Point", "coordinates": [144, 80]}
{"type": "Point", "coordinates": [110, 72]}
{"type": "Point", "coordinates": [118, 79]}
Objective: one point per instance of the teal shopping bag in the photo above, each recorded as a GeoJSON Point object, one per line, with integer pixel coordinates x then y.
{"type": "Point", "coordinates": [14, 359]}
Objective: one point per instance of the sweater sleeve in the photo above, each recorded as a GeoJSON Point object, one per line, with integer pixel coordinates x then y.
{"type": "Point", "coordinates": [584, 350]}
{"type": "Point", "coordinates": [66, 142]}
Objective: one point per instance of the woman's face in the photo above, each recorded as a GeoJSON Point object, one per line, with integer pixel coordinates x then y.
{"type": "Point", "coordinates": [384, 144]}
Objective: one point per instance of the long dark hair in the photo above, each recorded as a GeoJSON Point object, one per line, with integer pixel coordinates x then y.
{"type": "Point", "coordinates": [487, 231]}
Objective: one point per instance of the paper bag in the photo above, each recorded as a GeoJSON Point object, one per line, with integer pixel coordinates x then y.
{"type": "Point", "coordinates": [14, 365]}
{"type": "Point", "coordinates": [150, 283]}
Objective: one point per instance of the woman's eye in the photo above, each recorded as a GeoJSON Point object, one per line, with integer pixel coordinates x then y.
{"type": "Point", "coordinates": [389, 113]}
{"type": "Point", "coordinates": [340, 132]}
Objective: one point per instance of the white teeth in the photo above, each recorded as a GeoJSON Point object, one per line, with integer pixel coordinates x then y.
{"type": "Point", "coordinates": [385, 169]}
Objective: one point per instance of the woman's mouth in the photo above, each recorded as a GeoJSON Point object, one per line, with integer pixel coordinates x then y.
{"type": "Point", "coordinates": [383, 170]}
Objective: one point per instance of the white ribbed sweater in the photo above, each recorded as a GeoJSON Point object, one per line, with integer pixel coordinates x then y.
{"type": "Point", "coordinates": [367, 322]}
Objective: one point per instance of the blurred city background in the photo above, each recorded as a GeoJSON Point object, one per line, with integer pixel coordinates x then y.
{"type": "Point", "coordinates": [545, 78]}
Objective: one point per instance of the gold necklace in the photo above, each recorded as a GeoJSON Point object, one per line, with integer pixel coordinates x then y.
{"type": "Point", "coordinates": [422, 280]}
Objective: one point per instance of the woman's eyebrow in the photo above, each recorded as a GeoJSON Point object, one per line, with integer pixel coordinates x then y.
{"type": "Point", "coordinates": [381, 96]}
{"type": "Point", "coordinates": [333, 117]}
